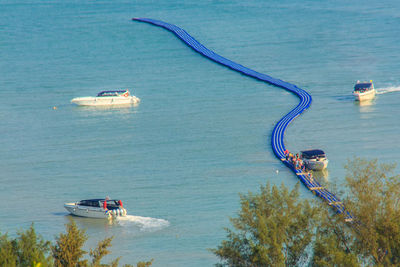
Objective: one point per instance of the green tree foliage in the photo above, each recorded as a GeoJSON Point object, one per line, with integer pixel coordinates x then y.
{"type": "Point", "coordinates": [100, 251]}
{"type": "Point", "coordinates": [68, 252]}
{"type": "Point", "coordinates": [333, 245]}
{"type": "Point", "coordinates": [32, 249]}
{"type": "Point", "coordinates": [8, 256]}
{"type": "Point", "coordinates": [144, 263]}
{"type": "Point", "coordinates": [29, 249]}
{"type": "Point", "coordinates": [26, 250]}
{"type": "Point", "coordinates": [273, 229]}
{"type": "Point", "coordinates": [373, 237]}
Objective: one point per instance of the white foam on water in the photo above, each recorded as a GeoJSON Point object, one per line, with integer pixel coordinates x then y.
{"type": "Point", "coordinates": [385, 90]}
{"type": "Point", "coordinates": [147, 224]}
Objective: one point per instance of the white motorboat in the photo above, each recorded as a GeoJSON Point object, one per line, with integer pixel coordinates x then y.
{"type": "Point", "coordinates": [97, 208]}
{"type": "Point", "coordinates": [106, 98]}
{"type": "Point", "coordinates": [314, 159]}
{"type": "Point", "coordinates": [364, 91]}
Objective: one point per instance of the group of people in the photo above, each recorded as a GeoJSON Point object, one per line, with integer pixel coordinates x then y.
{"type": "Point", "coordinates": [298, 163]}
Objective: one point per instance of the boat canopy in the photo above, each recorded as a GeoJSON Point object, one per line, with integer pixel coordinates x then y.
{"type": "Point", "coordinates": [111, 93]}
{"type": "Point", "coordinates": [361, 86]}
{"type": "Point", "coordinates": [308, 154]}
{"type": "Point", "coordinates": [96, 202]}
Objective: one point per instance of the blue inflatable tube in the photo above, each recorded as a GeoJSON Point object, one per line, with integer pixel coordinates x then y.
{"type": "Point", "coordinates": [278, 132]}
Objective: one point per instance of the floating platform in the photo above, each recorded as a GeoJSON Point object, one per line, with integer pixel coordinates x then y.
{"type": "Point", "coordinates": [278, 132]}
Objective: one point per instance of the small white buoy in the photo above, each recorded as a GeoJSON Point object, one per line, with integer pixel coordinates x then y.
{"type": "Point", "coordinates": [277, 171]}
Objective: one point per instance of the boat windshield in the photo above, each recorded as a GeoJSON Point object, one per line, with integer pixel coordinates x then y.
{"type": "Point", "coordinates": [89, 203]}
{"type": "Point", "coordinates": [313, 154]}
{"type": "Point", "coordinates": [111, 93]}
{"type": "Point", "coordinates": [362, 86]}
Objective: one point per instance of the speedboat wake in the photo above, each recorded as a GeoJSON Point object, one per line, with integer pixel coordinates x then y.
{"type": "Point", "coordinates": [145, 224]}
{"type": "Point", "coordinates": [385, 90]}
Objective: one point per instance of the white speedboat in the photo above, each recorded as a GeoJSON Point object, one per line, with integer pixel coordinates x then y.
{"type": "Point", "coordinates": [105, 98]}
{"type": "Point", "coordinates": [314, 159]}
{"type": "Point", "coordinates": [97, 208]}
{"type": "Point", "coordinates": [364, 91]}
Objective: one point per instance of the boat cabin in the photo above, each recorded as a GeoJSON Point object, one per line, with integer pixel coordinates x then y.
{"type": "Point", "coordinates": [112, 93]}
{"type": "Point", "coordinates": [313, 154]}
{"type": "Point", "coordinates": [362, 87]}
{"type": "Point", "coordinates": [111, 203]}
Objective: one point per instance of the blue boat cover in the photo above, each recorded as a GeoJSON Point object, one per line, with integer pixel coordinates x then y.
{"type": "Point", "coordinates": [360, 86]}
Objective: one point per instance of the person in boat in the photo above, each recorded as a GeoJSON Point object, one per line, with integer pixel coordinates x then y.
{"type": "Point", "coordinates": [303, 168]}
{"type": "Point", "coordinates": [120, 203]}
{"type": "Point", "coordinates": [310, 177]}
{"type": "Point", "coordinates": [295, 163]}
{"type": "Point", "coordinates": [286, 153]}
{"type": "Point", "coordinates": [300, 164]}
{"type": "Point", "coordinates": [105, 204]}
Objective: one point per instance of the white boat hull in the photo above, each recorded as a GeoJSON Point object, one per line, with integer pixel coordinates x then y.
{"type": "Point", "coordinates": [94, 212]}
{"type": "Point", "coordinates": [368, 95]}
{"type": "Point", "coordinates": [105, 101]}
{"type": "Point", "coordinates": [316, 165]}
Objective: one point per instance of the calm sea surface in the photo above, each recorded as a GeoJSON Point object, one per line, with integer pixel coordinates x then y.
{"type": "Point", "coordinates": [201, 134]}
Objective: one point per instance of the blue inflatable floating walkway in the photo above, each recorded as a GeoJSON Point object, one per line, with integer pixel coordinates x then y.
{"type": "Point", "coordinates": [279, 130]}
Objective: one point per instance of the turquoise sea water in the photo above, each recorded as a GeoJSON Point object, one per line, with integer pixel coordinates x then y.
{"type": "Point", "coordinates": [201, 134]}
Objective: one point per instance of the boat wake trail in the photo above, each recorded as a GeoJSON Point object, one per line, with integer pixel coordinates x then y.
{"type": "Point", "coordinates": [145, 224]}
{"type": "Point", "coordinates": [385, 90]}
